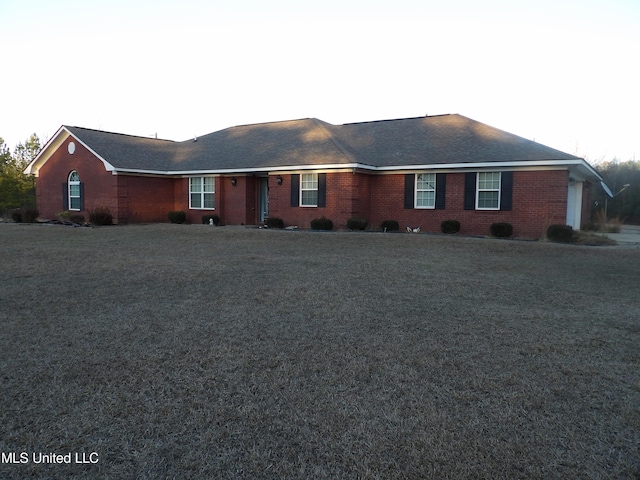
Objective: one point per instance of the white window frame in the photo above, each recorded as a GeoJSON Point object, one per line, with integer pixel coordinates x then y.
{"type": "Point", "coordinates": [433, 189]}
{"type": "Point", "coordinates": [308, 186]}
{"type": "Point", "coordinates": [497, 190]}
{"type": "Point", "coordinates": [72, 196]}
{"type": "Point", "coordinates": [202, 192]}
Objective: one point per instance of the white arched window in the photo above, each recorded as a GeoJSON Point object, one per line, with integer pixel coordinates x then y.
{"type": "Point", "coordinates": [75, 195]}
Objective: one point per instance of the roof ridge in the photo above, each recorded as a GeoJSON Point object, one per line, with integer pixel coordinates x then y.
{"type": "Point", "coordinates": [398, 119]}
{"type": "Point", "coordinates": [117, 133]}
{"type": "Point", "coordinates": [332, 138]}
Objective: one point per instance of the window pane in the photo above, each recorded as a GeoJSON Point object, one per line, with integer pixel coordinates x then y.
{"type": "Point", "coordinates": [195, 184]}
{"type": "Point", "coordinates": [309, 198]}
{"type": "Point", "coordinates": [209, 200]}
{"type": "Point", "coordinates": [74, 203]}
{"type": "Point", "coordinates": [426, 199]}
{"type": "Point", "coordinates": [208, 184]}
{"type": "Point", "coordinates": [426, 181]}
{"type": "Point", "coordinates": [74, 177]}
{"type": "Point", "coordinates": [74, 190]}
{"type": "Point", "coordinates": [195, 200]}
{"type": "Point", "coordinates": [309, 181]}
{"type": "Point", "coordinates": [487, 199]}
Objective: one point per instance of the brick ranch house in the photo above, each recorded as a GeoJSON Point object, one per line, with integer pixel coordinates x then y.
{"type": "Point", "coordinates": [417, 171]}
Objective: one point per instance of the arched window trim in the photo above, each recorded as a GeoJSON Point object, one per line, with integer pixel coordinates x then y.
{"type": "Point", "coordinates": [74, 191]}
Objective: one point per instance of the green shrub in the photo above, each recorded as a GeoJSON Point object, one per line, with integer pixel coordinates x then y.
{"type": "Point", "coordinates": [322, 223]}
{"type": "Point", "coordinates": [206, 218]}
{"type": "Point", "coordinates": [560, 233]}
{"type": "Point", "coordinates": [16, 215]}
{"type": "Point", "coordinates": [450, 226]}
{"type": "Point", "coordinates": [501, 230]}
{"type": "Point", "coordinates": [390, 226]}
{"type": "Point", "coordinates": [177, 216]}
{"type": "Point", "coordinates": [274, 222]}
{"type": "Point", "coordinates": [357, 224]}
{"type": "Point", "coordinates": [100, 216]}
{"type": "Point", "coordinates": [77, 218]}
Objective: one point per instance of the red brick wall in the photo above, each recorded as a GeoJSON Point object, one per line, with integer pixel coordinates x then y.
{"type": "Point", "coordinates": [347, 197]}
{"type": "Point", "coordinates": [99, 185]}
{"type": "Point", "coordinates": [539, 199]}
{"type": "Point", "coordinates": [145, 199]}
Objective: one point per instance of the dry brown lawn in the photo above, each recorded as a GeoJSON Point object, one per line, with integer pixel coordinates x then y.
{"type": "Point", "coordinates": [177, 351]}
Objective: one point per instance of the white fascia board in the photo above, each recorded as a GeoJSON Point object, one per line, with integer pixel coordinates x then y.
{"type": "Point", "coordinates": [52, 145]}
{"type": "Point", "coordinates": [54, 142]}
{"type": "Point", "coordinates": [107, 166]}
{"type": "Point", "coordinates": [232, 171]}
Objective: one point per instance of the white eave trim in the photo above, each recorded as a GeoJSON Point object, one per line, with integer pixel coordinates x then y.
{"type": "Point", "coordinates": [50, 147]}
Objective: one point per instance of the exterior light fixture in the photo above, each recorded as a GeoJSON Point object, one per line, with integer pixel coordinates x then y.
{"type": "Point", "coordinates": [279, 180]}
{"type": "Point", "coordinates": [233, 181]}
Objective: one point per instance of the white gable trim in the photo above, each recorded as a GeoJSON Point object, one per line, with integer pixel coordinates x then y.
{"type": "Point", "coordinates": [52, 145]}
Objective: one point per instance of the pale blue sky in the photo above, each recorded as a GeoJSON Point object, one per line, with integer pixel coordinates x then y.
{"type": "Point", "coordinates": [564, 73]}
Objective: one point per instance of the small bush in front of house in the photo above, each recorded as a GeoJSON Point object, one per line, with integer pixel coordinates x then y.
{"type": "Point", "coordinates": [501, 230]}
{"type": "Point", "coordinates": [274, 222]}
{"type": "Point", "coordinates": [560, 233]}
{"type": "Point", "coordinates": [178, 216]}
{"type": "Point", "coordinates": [322, 223]}
{"type": "Point", "coordinates": [76, 218]}
{"type": "Point", "coordinates": [206, 219]}
{"type": "Point", "coordinates": [450, 226]}
{"type": "Point", "coordinates": [390, 226]}
{"type": "Point", "coordinates": [357, 224]}
{"type": "Point", "coordinates": [16, 215]}
{"type": "Point", "coordinates": [100, 216]}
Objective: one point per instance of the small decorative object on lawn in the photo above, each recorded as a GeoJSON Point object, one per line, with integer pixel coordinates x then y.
{"type": "Point", "coordinates": [211, 219]}
{"type": "Point", "coordinates": [413, 230]}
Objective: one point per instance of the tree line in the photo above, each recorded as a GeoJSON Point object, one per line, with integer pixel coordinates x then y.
{"type": "Point", "coordinates": [17, 190]}
{"type": "Point", "coordinates": [623, 179]}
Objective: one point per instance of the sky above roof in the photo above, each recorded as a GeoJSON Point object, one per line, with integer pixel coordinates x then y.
{"type": "Point", "coordinates": [561, 72]}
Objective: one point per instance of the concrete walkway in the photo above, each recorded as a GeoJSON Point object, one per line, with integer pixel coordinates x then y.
{"type": "Point", "coordinates": [629, 235]}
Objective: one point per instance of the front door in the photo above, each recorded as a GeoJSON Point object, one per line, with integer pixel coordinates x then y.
{"type": "Point", "coordinates": [263, 199]}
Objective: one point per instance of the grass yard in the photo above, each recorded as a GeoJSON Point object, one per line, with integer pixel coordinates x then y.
{"type": "Point", "coordinates": [177, 351]}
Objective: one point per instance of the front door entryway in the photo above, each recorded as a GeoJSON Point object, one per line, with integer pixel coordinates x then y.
{"type": "Point", "coordinates": [263, 199]}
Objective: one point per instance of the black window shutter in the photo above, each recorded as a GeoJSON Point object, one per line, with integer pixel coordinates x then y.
{"type": "Point", "coordinates": [322, 189]}
{"type": "Point", "coordinates": [65, 197]}
{"type": "Point", "coordinates": [470, 191]}
{"type": "Point", "coordinates": [506, 190]}
{"type": "Point", "coordinates": [295, 190]}
{"type": "Point", "coordinates": [409, 189]}
{"type": "Point", "coordinates": [441, 190]}
{"type": "Point", "coordinates": [81, 196]}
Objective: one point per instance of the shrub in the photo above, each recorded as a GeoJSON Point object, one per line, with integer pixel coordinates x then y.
{"type": "Point", "coordinates": [390, 226]}
{"type": "Point", "coordinates": [501, 230]}
{"type": "Point", "coordinates": [100, 216]}
{"type": "Point", "coordinates": [177, 216]}
{"type": "Point", "coordinates": [16, 215]}
{"type": "Point", "coordinates": [77, 218]}
{"type": "Point", "coordinates": [206, 218]}
{"type": "Point", "coordinates": [274, 222]}
{"type": "Point", "coordinates": [560, 233]}
{"type": "Point", "coordinates": [450, 226]}
{"type": "Point", "coordinates": [357, 224]}
{"type": "Point", "coordinates": [322, 223]}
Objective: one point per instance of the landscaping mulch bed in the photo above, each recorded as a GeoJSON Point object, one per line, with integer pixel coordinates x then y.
{"type": "Point", "coordinates": [189, 351]}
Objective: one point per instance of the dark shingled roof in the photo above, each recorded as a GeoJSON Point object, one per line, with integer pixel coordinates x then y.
{"type": "Point", "coordinates": [438, 140]}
